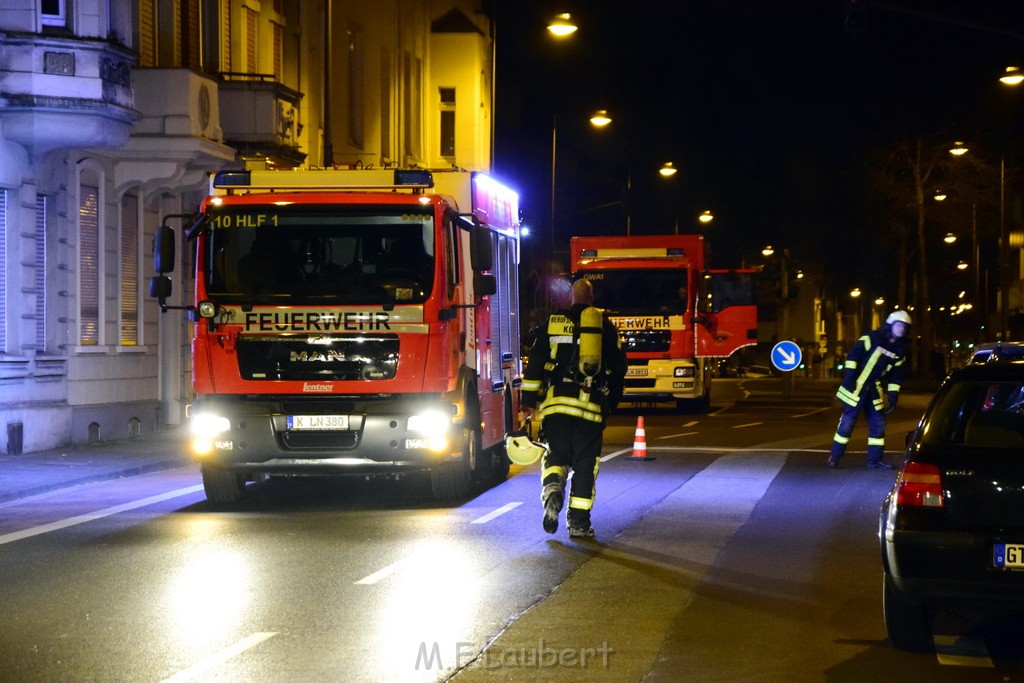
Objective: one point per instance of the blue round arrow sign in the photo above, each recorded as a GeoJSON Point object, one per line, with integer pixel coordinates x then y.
{"type": "Point", "coordinates": [786, 355]}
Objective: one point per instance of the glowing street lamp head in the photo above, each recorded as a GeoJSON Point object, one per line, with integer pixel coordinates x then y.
{"type": "Point", "coordinates": [1012, 76]}
{"type": "Point", "coordinates": [668, 170]}
{"type": "Point", "coordinates": [950, 238]}
{"type": "Point", "coordinates": [768, 250]}
{"type": "Point", "coordinates": [959, 149]}
{"type": "Point", "coordinates": [706, 217]}
{"type": "Point", "coordinates": [855, 292]}
{"type": "Point", "coordinates": [601, 118]}
{"type": "Point", "coordinates": [562, 25]}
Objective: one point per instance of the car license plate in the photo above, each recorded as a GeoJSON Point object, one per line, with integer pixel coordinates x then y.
{"type": "Point", "coordinates": [298, 422]}
{"type": "Point", "coordinates": [636, 372]}
{"type": "Point", "coordinates": [1008, 555]}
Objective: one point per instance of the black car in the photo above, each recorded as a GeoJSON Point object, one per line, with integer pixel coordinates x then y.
{"type": "Point", "coordinates": [952, 528]}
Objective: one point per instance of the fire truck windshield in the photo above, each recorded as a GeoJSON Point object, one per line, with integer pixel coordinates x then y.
{"type": "Point", "coordinates": [296, 254]}
{"type": "Point", "coordinates": [639, 292]}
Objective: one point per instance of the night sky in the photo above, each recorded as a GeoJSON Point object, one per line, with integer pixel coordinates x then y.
{"type": "Point", "coordinates": [771, 110]}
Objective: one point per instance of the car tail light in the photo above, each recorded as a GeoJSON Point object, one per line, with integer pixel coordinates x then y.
{"type": "Point", "coordinates": [919, 485]}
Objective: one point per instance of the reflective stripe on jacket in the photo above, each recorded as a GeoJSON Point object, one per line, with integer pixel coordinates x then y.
{"type": "Point", "coordinates": [875, 365]}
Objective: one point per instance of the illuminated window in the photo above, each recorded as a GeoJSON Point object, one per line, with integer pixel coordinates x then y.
{"type": "Point", "coordinates": [53, 12]}
{"type": "Point", "coordinates": [129, 258]}
{"type": "Point", "coordinates": [447, 97]}
{"type": "Point", "coordinates": [385, 106]}
{"type": "Point", "coordinates": [251, 35]}
{"type": "Point", "coordinates": [89, 260]}
{"type": "Point", "coordinates": [147, 31]}
{"type": "Point", "coordinates": [355, 86]}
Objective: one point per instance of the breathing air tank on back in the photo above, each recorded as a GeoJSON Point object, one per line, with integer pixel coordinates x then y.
{"type": "Point", "coordinates": [591, 325]}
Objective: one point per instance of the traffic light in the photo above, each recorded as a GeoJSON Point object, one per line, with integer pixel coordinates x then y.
{"type": "Point", "coordinates": [854, 16]}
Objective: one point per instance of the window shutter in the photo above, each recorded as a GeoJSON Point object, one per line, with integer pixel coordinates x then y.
{"type": "Point", "coordinates": [129, 270]}
{"type": "Point", "coordinates": [3, 271]}
{"type": "Point", "coordinates": [89, 257]}
{"type": "Point", "coordinates": [40, 274]}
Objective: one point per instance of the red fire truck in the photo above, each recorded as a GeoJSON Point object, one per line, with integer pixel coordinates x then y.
{"type": "Point", "coordinates": [351, 322]}
{"type": "Point", "coordinates": [675, 317]}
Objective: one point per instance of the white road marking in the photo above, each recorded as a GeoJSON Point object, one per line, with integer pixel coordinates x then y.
{"type": "Point", "coordinates": [962, 651]}
{"type": "Point", "coordinates": [749, 424]}
{"type": "Point", "coordinates": [496, 513]}
{"type": "Point", "coordinates": [387, 571]}
{"type": "Point", "coordinates": [99, 514]}
{"type": "Point", "coordinates": [671, 436]}
{"type": "Point", "coordinates": [616, 454]}
{"type": "Point", "coordinates": [217, 658]}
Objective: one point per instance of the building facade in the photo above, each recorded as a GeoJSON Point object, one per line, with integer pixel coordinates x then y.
{"type": "Point", "coordinates": [112, 115]}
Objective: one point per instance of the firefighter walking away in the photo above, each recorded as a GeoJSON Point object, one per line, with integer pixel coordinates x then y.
{"type": "Point", "coordinates": [573, 381]}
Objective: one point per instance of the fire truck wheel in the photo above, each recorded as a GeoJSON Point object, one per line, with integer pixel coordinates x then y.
{"type": "Point", "coordinates": [453, 480]}
{"type": "Point", "coordinates": [222, 486]}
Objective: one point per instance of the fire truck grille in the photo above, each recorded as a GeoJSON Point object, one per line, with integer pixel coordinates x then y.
{"type": "Point", "coordinates": [345, 440]}
{"type": "Point", "coordinates": [318, 358]}
{"type": "Point", "coordinates": [646, 341]}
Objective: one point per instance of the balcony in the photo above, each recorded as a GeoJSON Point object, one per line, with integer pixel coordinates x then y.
{"type": "Point", "coordinates": [261, 118]}
{"type": "Point", "coordinates": [179, 134]}
{"type": "Point", "coordinates": [64, 92]}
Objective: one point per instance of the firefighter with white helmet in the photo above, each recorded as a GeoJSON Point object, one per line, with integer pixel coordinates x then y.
{"type": "Point", "coordinates": [875, 364]}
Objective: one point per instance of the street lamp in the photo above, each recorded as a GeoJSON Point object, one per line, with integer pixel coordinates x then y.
{"type": "Point", "coordinates": [706, 217]}
{"type": "Point", "coordinates": [667, 169]}
{"type": "Point", "coordinates": [1011, 77]}
{"type": "Point", "coordinates": [562, 25]}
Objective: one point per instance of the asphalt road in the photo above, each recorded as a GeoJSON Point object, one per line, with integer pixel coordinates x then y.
{"type": "Point", "coordinates": [736, 555]}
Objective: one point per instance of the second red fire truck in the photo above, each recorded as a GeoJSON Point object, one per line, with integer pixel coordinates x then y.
{"type": "Point", "coordinates": [676, 317]}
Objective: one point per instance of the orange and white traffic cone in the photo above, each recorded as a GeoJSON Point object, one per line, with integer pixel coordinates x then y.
{"type": "Point", "coordinates": [640, 442]}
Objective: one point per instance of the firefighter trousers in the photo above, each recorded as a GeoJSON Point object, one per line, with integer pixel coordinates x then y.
{"type": "Point", "coordinates": [575, 445]}
{"type": "Point", "coordinates": [876, 430]}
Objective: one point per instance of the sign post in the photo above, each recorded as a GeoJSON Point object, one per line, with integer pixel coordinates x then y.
{"type": "Point", "coordinates": [786, 356]}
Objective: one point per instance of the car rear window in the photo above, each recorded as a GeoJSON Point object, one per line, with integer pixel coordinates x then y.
{"type": "Point", "coordinates": [978, 415]}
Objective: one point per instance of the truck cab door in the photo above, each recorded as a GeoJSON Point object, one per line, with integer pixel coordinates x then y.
{"type": "Point", "coordinates": [726, 317]}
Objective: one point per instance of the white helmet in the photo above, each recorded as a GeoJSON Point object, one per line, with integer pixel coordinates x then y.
{"type": "Point", "coordinates": [522, 450]}
{"type": "Point", "coordinates": [898, 317]}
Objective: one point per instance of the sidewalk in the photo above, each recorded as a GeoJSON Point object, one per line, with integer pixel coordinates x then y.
{"type": "Point", "coordinates": [29, 474]}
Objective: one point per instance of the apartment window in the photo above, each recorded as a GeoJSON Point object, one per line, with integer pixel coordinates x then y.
{"type": "Point", "coordinates": [355, 86]}
{"type": "Point", "coordinates": [89, 258]}
{"type": "Point", "coordinates": [147, 32]}
{"type": "Point", "coordinates": [53, 12]}
{"type": "Point", "coordinates": [385, 106]}
{"type": "Point", "coordinates": [3, 271]}
{"type": "Point", "coordinates": [39, 283]}
{"type": "Point", "coordinates": [251, 35]}
{"type": "Point", "coordinates": [411, 104]}
{"type": "Point", "coordinates": [278, 51]}
{"type": "Point", "coordinates": [129, 261]}
{"type": "Point", "coordinates": [447, 97]}
{"type": "Point", "coordinates": [225, 35]}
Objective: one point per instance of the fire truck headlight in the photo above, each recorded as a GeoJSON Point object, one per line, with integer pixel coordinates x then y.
{"type": "Point", "coordinates": [683, 372]}
{"type": "Point", "coordinates": [430, 423]}
{"type": "Point", "coordinates": [205, 428]}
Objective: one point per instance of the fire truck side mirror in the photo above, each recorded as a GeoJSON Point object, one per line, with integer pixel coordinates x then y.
{"type": "Point", "coordinates": [160, 287]}
{"type": "Point", "coordinates": [481, 249]}
{"type": "Point", "coordinates": [163, 250]}
{"type": "Point", "coordinates": [485, 284]}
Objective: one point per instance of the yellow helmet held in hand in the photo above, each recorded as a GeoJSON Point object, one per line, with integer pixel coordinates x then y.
{"type": "Point", "coordinates": [522, 450]}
